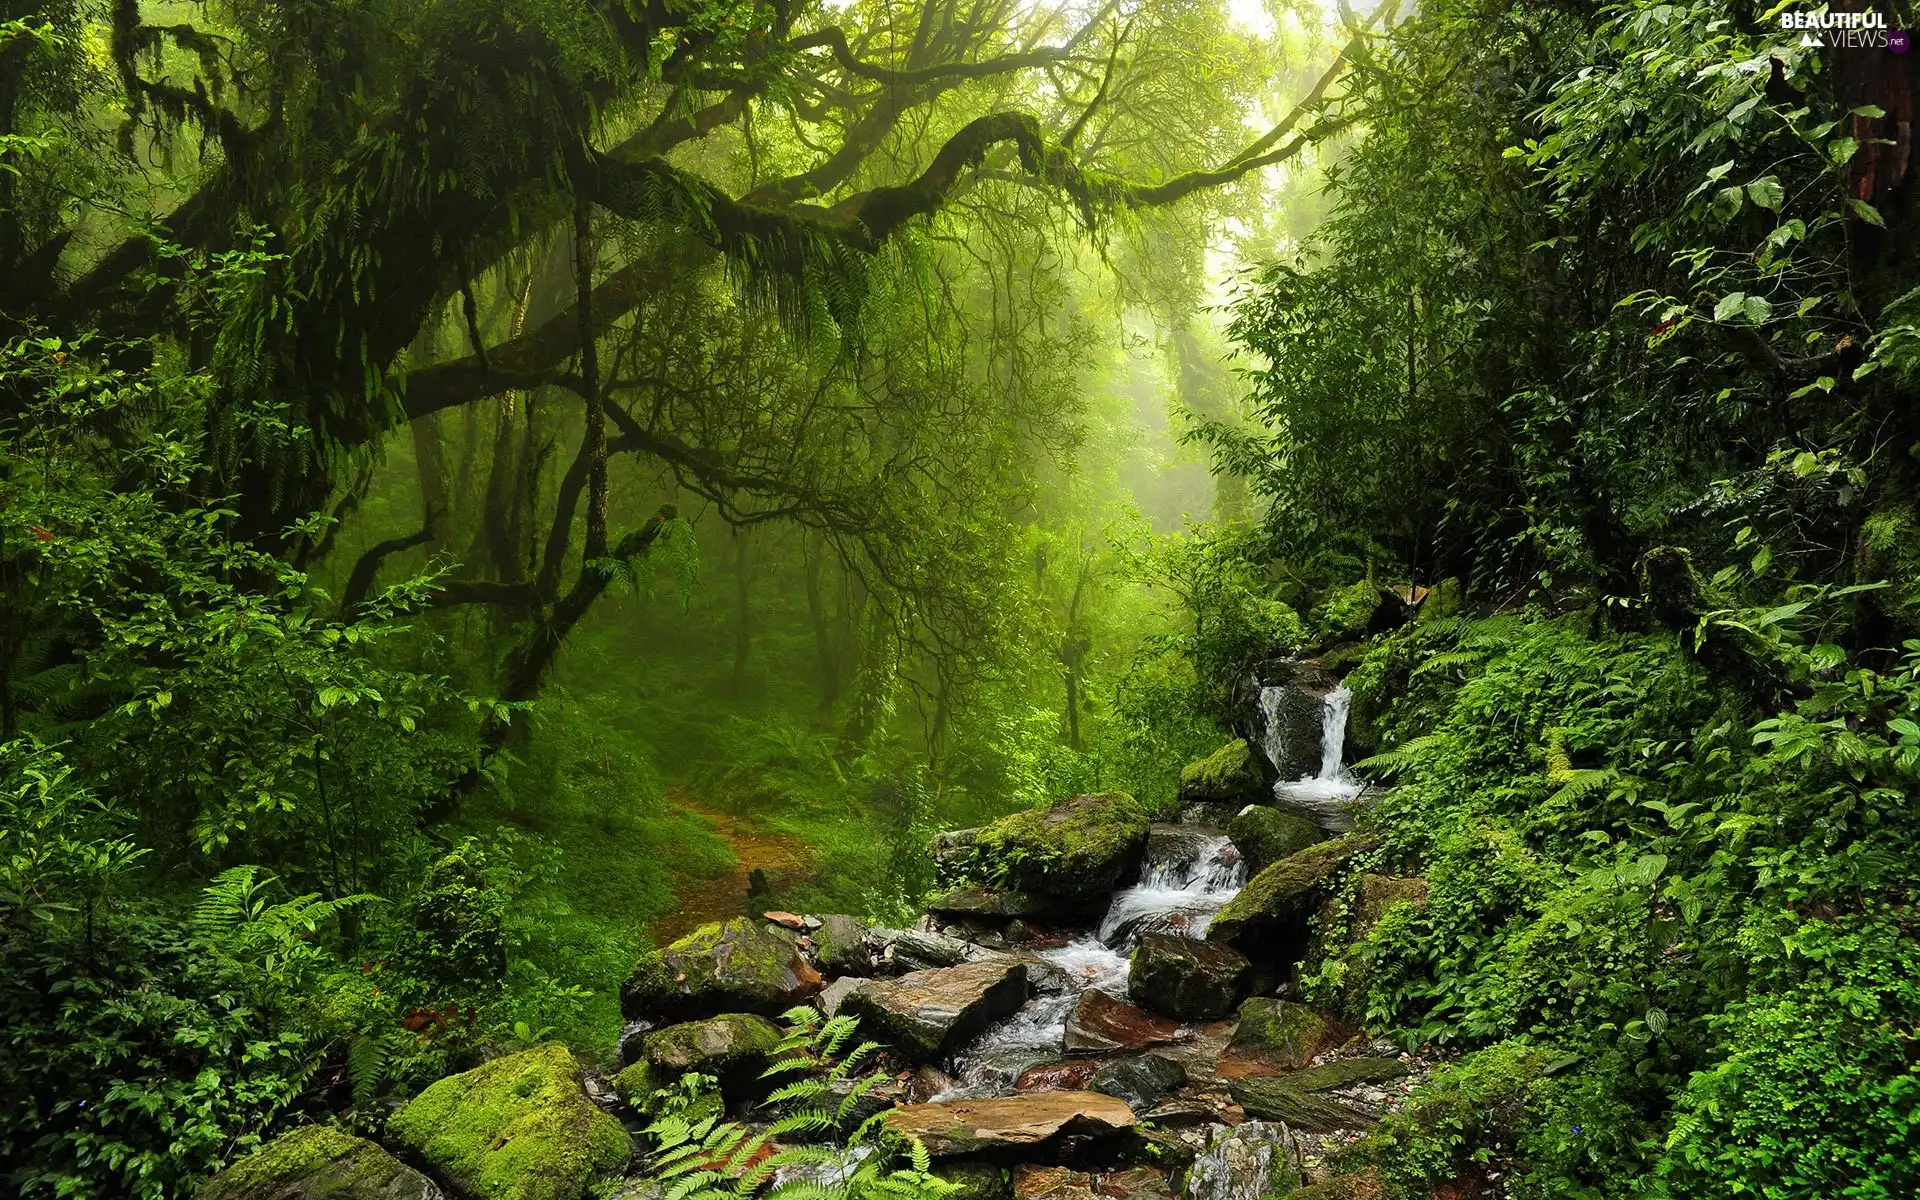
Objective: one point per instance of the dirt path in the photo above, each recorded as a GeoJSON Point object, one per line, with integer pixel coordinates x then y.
{"type": "Point", "coordinates": [784, 858]}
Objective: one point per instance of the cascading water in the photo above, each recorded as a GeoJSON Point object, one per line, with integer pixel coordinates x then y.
{"type": "Point", "coordinates": [1178, 893]}
{"type": "Point", "coordinates": [1325, 795]}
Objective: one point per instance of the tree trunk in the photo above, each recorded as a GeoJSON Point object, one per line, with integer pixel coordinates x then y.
{"type": "Point", "coordinates": [431, 466]}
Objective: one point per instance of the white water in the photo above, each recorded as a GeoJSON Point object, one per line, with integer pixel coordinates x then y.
{"type": "Point", "coordinates": [1038, 1032]}
{"type": "Point", "coordinates": [1322, 796]}
{"type": "Point", "coordinates": [1178, 895]}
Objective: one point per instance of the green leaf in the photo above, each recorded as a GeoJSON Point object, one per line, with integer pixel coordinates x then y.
{"type": "Point", "coordinates": [1841, 150]}
{"type": "Point", "coordinates": [1767, 193]}
{"type": "Point", "coordinates": [1726, 203]}
{"type": "Point", "coordinates": [1729, 306]}
{"type": "Point", "coordinates": [1756, 309]}
{"type": "Point", "coordinates": [1866, 212]}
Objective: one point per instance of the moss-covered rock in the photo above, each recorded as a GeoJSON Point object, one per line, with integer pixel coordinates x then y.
{"type": "Point", "coordinates": [1279, 1035]}
{"type": "Point", "coordinates": [1233, 772]}
{"type": "Point", "coordinates": [516, 1128]}
{"type": "Point", "coordinates": [1186, 977]}
{"type": "Point", "coordinates": [1273, 1098]}
{"type": "Point", "coordinates": [1271, 912]}
{"type": "Point", "coordinates": [840, 945]}
{"type": "Point", "coordinates": [732, 1047]}
{"type": "Point", "coordinates": [319, 1163]}
{"type": "Point", "coordinates": [976, 1180]}
{"type": "Point", "coordinates": [1076, 851]}
{"type": "Point", "coordinates": [1264, 835]}
{"type": "Point", "coordinates": [1348, 611]}
{"type": "Point", "coordinates": [736, 965]}
{"type": "Point", "coordinates": [1448, 598]}
{"type": "Point", "coordinates": [1344, 1072]}
{"type": "Point", "coordinates": [1362, 1186]}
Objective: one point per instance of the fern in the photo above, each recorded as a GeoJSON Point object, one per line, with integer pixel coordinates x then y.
{"type": "Point", "coordinates": [1409, 753]}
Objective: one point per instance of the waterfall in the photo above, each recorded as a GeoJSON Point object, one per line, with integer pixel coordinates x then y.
{"type": "Point", "coordinates": [1273, 732]}
{"type": "Point", "coordinates": [1189, 875]}
{"type": "Point", "coordinates": [1324, 796]}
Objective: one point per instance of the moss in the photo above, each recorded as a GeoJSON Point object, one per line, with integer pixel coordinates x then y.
{"type": "Point", "coordinates": [1285, 1034]}
{"type": "Point", "coordinates": [977, 1180]}
{"type": "Point", "coordinates": [1448, 598]}
{"type": "Point", "coordinates": [516, 1128]}
{"type": "Point", "coordinates": [318, 1162]}
{"type": "Point", "coordinates": [1076, 850]}
{"type": "Point", "coordinates": [1477, 1104]}
{"type": "Point", "coordinates": [739, 965]}
{"type": "Point", "coordinates": [1362, 1186]}
{"type": "Point", "coordinates": [1229, 773]}
{"type": "Point", "coordinates": [1347, 611]}
{"type": "Point", "coordinates": [1344, 1072]}
{"type": "Point", "coordinates": [1264, 835]}
{"type": "Point", "coordinates": [1285, 892]}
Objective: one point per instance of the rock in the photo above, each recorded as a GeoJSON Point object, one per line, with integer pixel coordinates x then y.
{"type": "Point", "coordinates": [1278, 1035]}
{"type": "Point", "coordinates": [1071, 1075]}
{"type": "Point", "coordinates": [1075, 852]}
{"type": "Point", "coordinates": [733, 1047]}
{"type": "Point", "coordinates": [1233, 772]}
{"type": "Point", "coordinates": [952, 854]}
{"type": "Point", "coordinates": [984, 902]}
{"type": "Point", "coordinates": [787, 920]}
{"type": "Point", "coordinates": [1378, 893]}
{"type": "Point", "coordinates": [912, 950]}
{"type": "Point", "coordinates": [835, 994]}
{"type": "Point", "coordinates": [959, 1127]}
{"type": "Point", "coordinates": [1288, 727]}
{"type": "Point", "coordinates": [1136, 1183]}
{"type": "Point", "coordinates": [1249, 1161]}
{"type": "Point", "coordinates": [1139, 1081]}
{"type": "Point", "coordinates": [1032, 1181]}
{"type": "Point", "coordinates": [1364, 1186]}
{"type": "Point", "coordinates": [1176, 1113]}
{"type": "Point", "coordinates": [515, 1128]}
{"type": "Point", "coordinates": [1271, 1099]}
{"type": "Point", "coordinates": [840, 945]}
{"type": "Point", "coordinates": [1271, 911]}
{"type": "Point", "coordinates": [1265, 835]}
{"type": "Point", "coordinates": [928, 1014]}
{"type": "Point", "coordinates": [976, 1180]}
{"type": "Point", "coordinates": [926, 1083]}
{"type": "Point", "coordinates": [1345, 1072]}
{"type": "Point", "coordinates": [737, 965]}
{"type": "Point", "coordinates": [1185, 977]}
{"type": "Point", "coordinates": [1101, 1022]}
{"type": "Point", "coordinates": [318, 1162]}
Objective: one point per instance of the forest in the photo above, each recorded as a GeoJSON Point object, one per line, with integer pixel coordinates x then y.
{"type": "Point", "coordinates": [959, 600]}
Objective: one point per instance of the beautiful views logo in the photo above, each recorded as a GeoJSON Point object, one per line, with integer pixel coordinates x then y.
{"type": "Point", "coordinates": [1845, 30]}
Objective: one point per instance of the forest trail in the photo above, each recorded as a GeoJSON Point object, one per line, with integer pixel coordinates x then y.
{"type": "Point", "coordinates": [784, 857]}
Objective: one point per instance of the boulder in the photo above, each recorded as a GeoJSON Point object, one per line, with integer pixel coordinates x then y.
{"type": "Point", "coordinates": [1185, 977]}
{"type": "Point", "coordinates": [1278, 1035]}
{"type": "Point", "coordinates": [1265, 835]}
{"type": "Point", "coordinates": [1135, 1183]}
{"type": "Point", "coordinates": [1345, 1072]}
{"type": "Point", "coordinates": [1233, 772]}
{"type": "Point", "coordinates": [515, 1128]}
{"type": "Point", "coordinates": [952, 854]}
{"type": "Point", "coordinates": [1250, 1161]}
{"type": "Point", "coordinates": [976, 1180]}
{"type": "Point", "coordinates": [1005, 1123]}
{"type": "Point", "coordinates": [840, 945]}
{"type": "Point", "coordinates": [1075, 852]}
{"type": "Point", "coordinates": [1031, 1181]}
{"type": "Point", "coordinates": [318, 1162]}
{"type": "Point", "coordinates": [913, 950]}
{"type": "Point", "coordinates": [1288, 725]}
{"type": "Point", "coordinates": [1378, 893]}
{"type": "Point", "coordinates": [928, 1014]}
{"type": "Point", "coordinates": [736, 965]}
{"type": "Point", "coordinates": [733, 1047]}
{"type": "Point", "coordinates": [1100, 1022]}
{"type": "Point", "coordinates": [835, 994]}
{"type": "Point", "coordinates": [984, 902]}
{"type": "Point", "coordinates": [1140, 1081]}
{"type": "Point", "coordinates": [1272, 910]}
{"type": "Point", "coordinates": [1070, 1075]}
{"type": "Point", "coordinates": [1270, 1098]}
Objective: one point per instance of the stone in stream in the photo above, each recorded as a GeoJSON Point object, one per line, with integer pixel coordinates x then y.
{"type": "Point", "coordinates": [928, 1014]}
{"type": "Point", "coordinates": [1249, 1161]}
{"type": "Point", "coordinates": [1070, 1075]}
{"type": "Point", "coordinates": [1345, 1072]}
{"type": "Point", "coordinates": [736, 965]}
{"type": "Point", "coordinates": [1074, 852]}
{"type": "Point", "coordinates": [1272, 1099]}
{"type": "Point", "coordinates": [840, 945]}
{"type": "Point", "coordinates": [1100, 1022]}
{"type": "Point", "coordinates": [905, 950]}
{"type": "Point", "coordinates": [732, 1047]}
{"type": "Point", "coordinates": [1264, 835]}
{"type": "Point", "coordinates": [1270, 913]}
{"type": "Point", "coordinates": [1278, 1035]}
{"type": "Point", "coordinates": [835, 994]}
{"type": "Point", "coordinates": [985, 902]}
{"type": "Point", "coordinates": [1186, 978]}
{"type": "Point", "coordinates": [516, 1128]}
{"type": "Point", "coordinates": [1005, 1123]}
{"type": "Point", "coordinates": [976, 1180]}
{"type": "Point", "coordinates": [318, 1162]}
{"type": "Point", "coordinates": [1234, 772]}
{"type": "Point", "coordinates": [1139, 1081]}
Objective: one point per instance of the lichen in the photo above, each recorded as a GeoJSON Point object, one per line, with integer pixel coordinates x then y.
{"type": "Point", "coordinates": [516, 1128]}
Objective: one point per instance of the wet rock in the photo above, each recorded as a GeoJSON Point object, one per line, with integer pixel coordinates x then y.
{"type": "Point", "coordinates": [1271, 911]}
{"type": "Point", "coordinates": [1101, 1022]}
{"type": "Point", "coordinates": [926, 1083]}
{"type": "Point", "coordinates": [515, 1128]}
{"type": "Point", "coordinates": [840, 945]}
{"type": "Point", "coordinates": [1265, 835]}
{"type": "Point", "coordinates": [985, 902]}
{"type": "Point", "coordinates": [1139, 1081]}
{"type": "Point", "coordinates": [318, 1162]}
{"type": "Point", "coordinates": [1233, 772]}
{"type": "Point", "coordinates": [1245, 1162]}
{"type": "Point", "coordinates": [1075, 852]}
{"type": "Point", "coordinates": [1272, 1099]}
{"type": "Point", "coordinates": [927, 1014]}
{"type": "Point", "coordinates": [1288, 722]}
{"type": "Point", "coordinates": [1071, 1075]}
{"type": "Point", "coordinates": [737, 965]}
{"type": "Point", "coordinates": [912, 950]}
{"type": "Point", "coordinates": [1186, 978]}
{"type": "Point", "coordinates": [732, 1047]}
{"type": "Point", "coordinates": [1278, 1035]}
{"type": "Point", "coordinates": [1031, 1181]}
{"type": "Point", "coordinates": [835, 994]}
{"type": "Point", "coordinates": [1345, 1072]}
{"type": "Point", "coordinates": [976, 1180]}
{"type": "Point", "coordinates": [959, 1127]}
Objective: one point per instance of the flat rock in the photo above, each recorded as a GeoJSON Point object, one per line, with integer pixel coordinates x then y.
{"type": "Point", "coordinates": [787, 920]}
{"type": "Point", "coordinates": [1101, 1022]}
{"type": "Point", "coordinates": [1271, 1099]}
{"type": "Point", "coordinates": [928, 1014]}
{"type": "Point", "coordinates": [1140, 1081]}
{"type": "Point", "coordinates": [1186, 978]}
{"type": "Point", "coordinates": [985, 902]}
{"type": "Point", "coordinates": [1345, 1072]}
{"type": "Point", "coordinates": [835, 994]}
{"type": "Point", "coordinates": [958, 1127]}
{"type": "Point", "coordinates": [1031, 1181]}
{"type": "Point", "coordinates": [318, 1162]}
{"type": "Point", "coordinates": [905, 950]}
{"type": "Point", "coordinates": [736, 965]}
{"type": "Point", "coordinates": [1135, 1183]}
